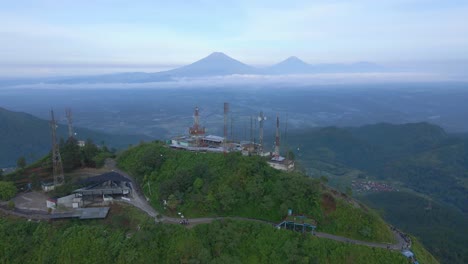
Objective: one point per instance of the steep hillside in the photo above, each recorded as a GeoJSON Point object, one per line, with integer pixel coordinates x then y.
{"type": "Point", "coordinates": [210, 184]}
{"type": "Point", "coordinates": [441, 228]}
{"type": "Point", "coordinates": [420, 156]}
{"type": "Point", "coordinates": [22, 134]}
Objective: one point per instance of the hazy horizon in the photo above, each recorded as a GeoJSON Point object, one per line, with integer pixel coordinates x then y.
{"type": "Point", "coordinates": [67, 38]}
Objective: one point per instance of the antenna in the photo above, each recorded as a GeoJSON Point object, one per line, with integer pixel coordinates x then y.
{"type": "Point", "coordinates": [255, 130]}
{"type": "Point", "coordinates": [261, 119]}
{"type": "Point", "coordinates": [56, 158]}
{"type": "Point", "coordinates": [68, 114]}
{"type": "Point", "coordinates": [251, 131]}
{"type": "Point", "coordinates": [277, 141]}
{"type": "Point", "coordinates": [196, 130]}
{"type": "Point", "coordinates": [285, 137]}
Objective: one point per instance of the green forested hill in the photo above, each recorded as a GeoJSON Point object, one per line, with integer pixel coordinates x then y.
{"type": "Point", "coordinates": [421, 156]}
{"type": "Point", "coordinates": [208, 184]}
{"type": "Point", "coordinates": [211, 184]}
{"type": "Point", "coordinates": [418, 156]}
{"type": "Point", "coordinates": [22, 134]}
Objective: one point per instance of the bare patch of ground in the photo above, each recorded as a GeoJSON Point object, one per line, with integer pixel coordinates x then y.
{"type": "Point", "coordinates": [328, 203]}
{"type": "Point", "coordinates": [31, 201]}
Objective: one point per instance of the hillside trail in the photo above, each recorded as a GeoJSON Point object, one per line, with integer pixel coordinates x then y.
{"type": "Point", "coordinates": [140, 201]}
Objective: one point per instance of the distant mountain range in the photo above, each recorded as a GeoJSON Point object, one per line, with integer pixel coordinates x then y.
{"type": "Point", "coordinates": [219, 64]}
{"type": "Point", "coordinates": [22, 134]}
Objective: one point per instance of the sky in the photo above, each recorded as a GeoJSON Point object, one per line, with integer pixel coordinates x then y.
{"type": "Point", "coordinates": [47, 37]}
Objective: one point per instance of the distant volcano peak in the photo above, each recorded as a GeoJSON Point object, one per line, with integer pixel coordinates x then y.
{"type": "Point", "coordinates": [293, 59]}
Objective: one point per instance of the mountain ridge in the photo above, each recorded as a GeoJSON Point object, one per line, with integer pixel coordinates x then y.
{"type": "Point", "coordinates": [23, 134]}
{"type": "Point", "coordinates": [220, 64]}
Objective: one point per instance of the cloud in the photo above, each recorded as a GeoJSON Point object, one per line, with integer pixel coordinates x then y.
{"type": "Point", "coordinates": [258, 81]}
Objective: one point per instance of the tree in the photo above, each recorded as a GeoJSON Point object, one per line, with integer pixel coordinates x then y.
{"type": "Point", "coordinates": [197, 184]}
{"type": "Point", "coordinates": [324, 179]}
{"type": "Point", "coordinates": [21, 162]}
{"type": "Point", "coordinates": [172, 202]}
{"type": "Point", "coordinates": [89, 152]}
{"type": "Point", "coordinates": [7, 190]}
{"type": "Point", "coordinates": [70, 155]}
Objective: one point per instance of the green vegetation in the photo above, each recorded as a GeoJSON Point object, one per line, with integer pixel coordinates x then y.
{"type": "Point", "coordinates": [441, 228]}
{"type": "Point", "coordinates": [423, 255]}
{"type": "Point", "coordinates": [7, 190]}
{"type": "Point", "coordinates": [21, 162]}
{"type": "Point", "coordinates": [225, 241]}
{"type": "Point", "coordinates": [420, 156]}
{"type": "Point", "coordinates": [23, 135]}
{"type": "Point", "coordinates": [210, 184]}
{"type": "Point", "coordinates": [73, 157]}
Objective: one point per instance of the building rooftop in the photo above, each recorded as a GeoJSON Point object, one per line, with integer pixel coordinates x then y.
{"type": "Point", "coordinates": [84, 213]}
{"type": "Point", "coordinates": [109, 176]}
{"type": "Point", "coordinates": [213, 138]}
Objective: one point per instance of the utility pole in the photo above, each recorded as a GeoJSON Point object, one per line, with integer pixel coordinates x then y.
{"type": "Point", "coordinates": [277, 139]}
{"type": "Point", "coordinates": [68, 113]}
{"type": "Point", "coordinates": [261, 119]}
{"type": "Point", "coordinates": [56, 158]}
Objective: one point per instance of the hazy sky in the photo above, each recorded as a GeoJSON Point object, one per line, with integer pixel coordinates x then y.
{"type": "Point", "coordinates": [160, 34]}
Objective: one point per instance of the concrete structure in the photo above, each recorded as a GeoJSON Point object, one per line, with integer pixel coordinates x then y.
{"type": "Point", "coordinates": [47, 186]}
{"type": "Point", "coordinates": [83, 213]}
{"type": "Point", "coordinates": [70, 201]}
{"type": "Point", "coordinates": [281, 163]}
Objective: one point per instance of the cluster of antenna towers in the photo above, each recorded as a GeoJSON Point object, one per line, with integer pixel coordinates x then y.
{"type": "Point", "coordinates": [197, 131]}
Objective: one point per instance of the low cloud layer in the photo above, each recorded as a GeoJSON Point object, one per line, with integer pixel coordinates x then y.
{"type": "Point", "coordinates": [260, 81]}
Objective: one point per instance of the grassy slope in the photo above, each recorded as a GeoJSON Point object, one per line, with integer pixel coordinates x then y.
{"type": "Point", "coordinates": [233, 185]}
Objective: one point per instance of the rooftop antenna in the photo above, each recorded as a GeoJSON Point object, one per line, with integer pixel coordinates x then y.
{"type": "Point", "coordinates": [56, 158]}
{"type": "Point", "coordinates": [226, 111]}
{"type": "Point", "coordinates": [68, 113]}
{"type": "Point", "coordinates": [261, 119]}
{"type": "Point", "coordinates": [277, 139]}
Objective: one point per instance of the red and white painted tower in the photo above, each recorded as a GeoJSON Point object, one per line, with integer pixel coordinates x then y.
{"type": "Point", "coordinates": [196, 129]}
